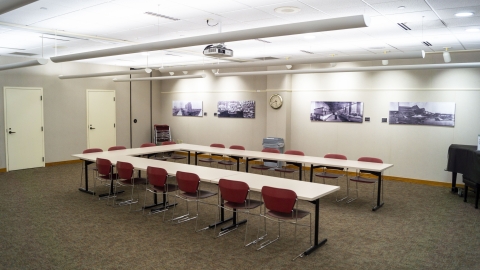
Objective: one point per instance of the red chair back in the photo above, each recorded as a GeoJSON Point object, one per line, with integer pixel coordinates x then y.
{"type": "Point", "coordinates": [124, 170]}
{"type": "Point", "coordinates": [238, 147]}
{"type": "Point", "coordinates": [335, 156]}
{"type": "Point", "coordinates": [104, 166]}
{"type": "Point", "coordinates": [294, 152]}
{"type": "Point", "coordinates": [92, 150]}
{"type": "Point", "coordinates": [187, 182]}
{"type": "Point", "coordinates": [218, 145]}
{"type": "Point", "coordinates": [271, 150]}
{"type": "Point", "coordinates": [147, 145]}
{"type": "Point", "coordinates": [168, 142]}
{"type": "Point", "coordinates": [157, 176]}
{"type": "Point", "coordinates": [370, 159]}
{"type": "Point", "coordinates": [114, 148]}
{"type": "Point", "coordinates": [279, 199]}
{"type": "Point", "coordinates": [233, 191]}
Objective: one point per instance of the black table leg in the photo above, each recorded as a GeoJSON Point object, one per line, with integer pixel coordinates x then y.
{"type": "Point", "coordinates": [222, 217]}
{"type": "Point", "coordinates": [379, 192]}
{"type": "Point", "coordinates": [316, 243]}
{"type": "Point", "coordinates": [454, 182]}
{"type": "Point", "coordinates": [86, 163]}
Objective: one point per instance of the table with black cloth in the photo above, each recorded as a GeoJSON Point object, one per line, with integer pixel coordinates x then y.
{"type": "Point", "coordinates": [464, 159]}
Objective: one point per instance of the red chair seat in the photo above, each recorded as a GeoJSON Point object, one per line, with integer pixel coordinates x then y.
{"type": "Point", "coordinates": [363, 180]}
{"type": "Point", "coordinates": [165, 188]}
{"type": "Point", "coordinates": [297, 213]}
{"type": "Point", "coordinates": [201, 194]}
{"type": "Point", "coordinates": [248, 204]}
{"type": "Point", "coordinates": [327, 175]}
{"type": "Point", "coordinates": [261, 167]}
{"type": "Point", "coordinates": [226, 163]}
{"type": "Point", "coordinates": [284, 170]}
{"type": "Point", "coordinates": [206, 160]}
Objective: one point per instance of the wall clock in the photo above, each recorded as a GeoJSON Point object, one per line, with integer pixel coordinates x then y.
{"type": "Point", "coordinates": [276, 101]}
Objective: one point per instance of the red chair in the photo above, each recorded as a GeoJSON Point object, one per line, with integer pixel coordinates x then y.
{"type": "Point", "coordinates": [334, 173]}
{"type": "Point", "coordinates": [115, 148]}
{"type": "Point", "coordinates": [235, 197]}
{"type": "Point", "coordinates": [228, 162]}
{"type": "Point", "coordinates": [172, 156]}
{"type": "Point", "coordinates": [157, 183]}
{"type": "Point", "coordinates": [126, 178]}
{"type": "Point", "coordinates": [188, 190]}
{"type": "Point", "coordinates": [263, 167]}
{"type": "Point", "coordinates": [210, 160]}
{"type": "Point", "coordinates": [365, 177]}
{"type": "Point", "coordinates": [106, 176]}
{"type": "Point", "coordinates": [280, 204]}
{"type": "Point", "coordinates": [88, 151]}
{"type": "Point", "coordinates": [285, 170]}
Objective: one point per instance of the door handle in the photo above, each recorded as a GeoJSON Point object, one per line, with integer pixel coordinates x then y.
{"type": "Point", "coordinates": [92, 128]}
{"type": "Point", "coordinates": [11, 132]}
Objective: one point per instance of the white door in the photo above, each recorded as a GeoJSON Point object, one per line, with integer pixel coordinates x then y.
{"type": "Point", "coordinates": [24, 128]}
{"type": "Point", "coordinates": [101, 119]}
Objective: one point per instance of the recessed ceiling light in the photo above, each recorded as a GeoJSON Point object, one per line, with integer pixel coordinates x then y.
{"type": "Point", "coordinates": [472, 30]}
{"type": "Point", "coordinates": [464, 14]}
{"type": "Point", "coordinates": [44, 8]}
{"type": "Point", "coordinates": [401, 7]}
{"type": "Point", "coordinates": [287, 10]}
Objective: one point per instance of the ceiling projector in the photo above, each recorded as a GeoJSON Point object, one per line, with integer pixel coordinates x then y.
{"type": "Point", "coordinates": [217, 51]}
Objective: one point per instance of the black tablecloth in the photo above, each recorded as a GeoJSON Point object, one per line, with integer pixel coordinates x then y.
{"type": "Point", "coordinates": [464, 159]}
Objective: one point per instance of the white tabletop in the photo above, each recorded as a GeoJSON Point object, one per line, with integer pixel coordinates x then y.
{"type": "Point", "coordinates": [305, 190]}
{"type": "Point", "coordinates": [351, 164]}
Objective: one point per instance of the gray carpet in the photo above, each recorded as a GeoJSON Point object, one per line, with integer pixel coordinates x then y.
{"type": "Point", "coordinates": [46, 223]}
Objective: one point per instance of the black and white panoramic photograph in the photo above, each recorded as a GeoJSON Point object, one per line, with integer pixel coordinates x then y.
{"type": "Point", "coordinates": [336, 111]}
{"type": "Point", "coordinates": [236, 109]}
{"type": "Point", "coordinates": [187, 108]}
{"type": "Point", "coordinates": [423, 113]}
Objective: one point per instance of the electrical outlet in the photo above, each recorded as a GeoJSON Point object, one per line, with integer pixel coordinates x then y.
{"type": "Point", "coordinates": [367, 119]}
{"type": "Point", "coordinates": [384, 120]}
{"type": "Point", "coordinates": [204, 114]}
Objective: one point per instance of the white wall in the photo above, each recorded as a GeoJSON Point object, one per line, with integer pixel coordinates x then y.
{"type": "Point", "coordinates": [418, 152]}
{"type": "Point", "coordinates": [65, 104]}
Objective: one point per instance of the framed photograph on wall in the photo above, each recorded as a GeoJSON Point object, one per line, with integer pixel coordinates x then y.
{"type": "Point", "coordinates": [336, 111]}
{"type": "Point", "coordinates": [187, 108]}
{"type": "Point", "coordinates": [422, 113]}
{"type": "Point", "coordinates": [236, 109]}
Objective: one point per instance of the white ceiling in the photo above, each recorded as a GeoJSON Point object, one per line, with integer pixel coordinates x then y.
{"type": "Point", "coordinates": [86, 25]}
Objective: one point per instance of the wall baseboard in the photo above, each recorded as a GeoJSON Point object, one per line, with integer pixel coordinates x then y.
{"type": "Point", "coordinates": [49, 164]}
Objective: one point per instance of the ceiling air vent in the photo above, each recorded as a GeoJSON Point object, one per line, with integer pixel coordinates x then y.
{"type": "Point", "coordinates": [162, 16]}
{"type": "Point", "coordinates": [23, 54]}
{"type": "Point", "coordinates": [426, 43]}
{"type": "Point", "coordinates": [266, 58]}
{"type": "Point", "coordinates": [307, 52]}
{"type": "Point", "coordinates": [404, 26]}
{"type": "Point", "coordinates": [263, 40]}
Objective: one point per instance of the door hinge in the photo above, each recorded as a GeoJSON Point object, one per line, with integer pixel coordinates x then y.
{"type": "Point", "coordinates": [42, 128]}
{"type": "Point", "coordinates": [41, 97]}
{"type": "Point", "coordinates": [43, 159]}
{"type": "Point", "coordinates": [113, 124]}
{"type": "Point", "coordinates": [113, 99]}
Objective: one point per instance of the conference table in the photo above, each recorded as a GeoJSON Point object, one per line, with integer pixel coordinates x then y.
{"type": "Point", "coordinates": [376, 169]}
{"type": "Point", "coordinates": [306, 191]}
